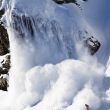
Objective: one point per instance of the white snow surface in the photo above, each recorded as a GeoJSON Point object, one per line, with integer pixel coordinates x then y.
{"type": "Point", "coordinates": [53, 71]}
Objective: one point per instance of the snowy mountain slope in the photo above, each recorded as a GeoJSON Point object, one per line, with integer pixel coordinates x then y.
{"type": "Point", "coordinates": [43, 35]}
{"type": "Point", "coordinates": [98, 16]}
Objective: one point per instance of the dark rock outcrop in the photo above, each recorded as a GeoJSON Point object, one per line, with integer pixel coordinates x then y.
{"type": "Point", "coordinates": [68, 1]}
{"type": "Point", "coordinates": [65, 1]}
{"type": "Point", "coordinates": [1, 12]}
{"type": "Point", "coordinates": [92, 44]}
{"type": "Point", "coordinates": [4, 49]}
{"type": "Point", "coordinates": [4, 41]}
{"type": "Point", "coordinates": [6, 62]}
{"type": "Point", "coordinates": [3, 84]}
{"type": "Point", "coordinates": [4, 70]}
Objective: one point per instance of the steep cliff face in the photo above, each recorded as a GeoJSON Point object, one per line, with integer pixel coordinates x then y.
{"type": "Point", "coordinates": [4, 56]}
{"type": "Point", "coordinates": [53, 58]}
{"type": "Point", "coordinates": [29, 25]}
{"type": "Point", "coordinates": [4, 41]}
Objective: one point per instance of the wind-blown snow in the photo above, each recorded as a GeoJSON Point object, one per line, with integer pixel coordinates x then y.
{"type": "Point", "coordinates": [61, 86]}
{"type": "Point", "coordinates": [51, 70]}
{"type": "Point", "coordinates": [108, 68]}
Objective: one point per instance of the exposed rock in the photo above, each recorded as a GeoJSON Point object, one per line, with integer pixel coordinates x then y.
{"type": "Point", "coordinates": [65, 1]}
{"type": "Point", "coordinates": [1, 12]}
{"type": "Point", "coordinates": [4, 69]}
{"type": "Point", "coordinates": [59, 1]}
{"type": "Point", "coordinates": [3, 84]}
{"type": "Point", "coordinates": [4, 49]}
{"type": "Point", "coordinates": [6, 62]}
{"type": "Point", "coordinates": [92, 44]}
{"type": "Point", "coordinates": [68, 1]}
{"type": "Point", "coordinates": [4, 41]}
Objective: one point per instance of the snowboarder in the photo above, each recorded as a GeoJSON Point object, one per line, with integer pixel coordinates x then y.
{"type": "Point", "coordinates": [87, 107]}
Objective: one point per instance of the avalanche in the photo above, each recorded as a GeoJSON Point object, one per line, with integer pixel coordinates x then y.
{"type": "Point", "coordinates": [50, 68]}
